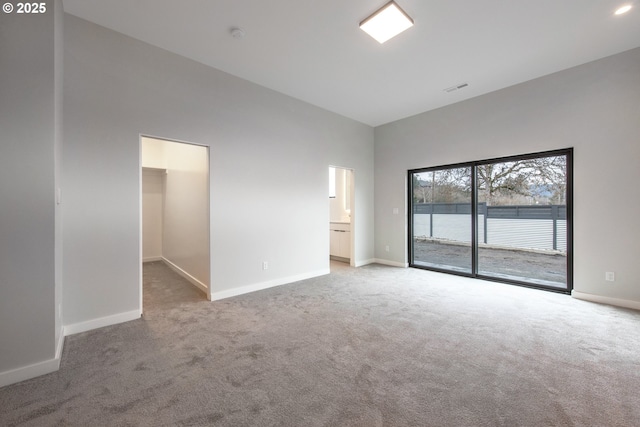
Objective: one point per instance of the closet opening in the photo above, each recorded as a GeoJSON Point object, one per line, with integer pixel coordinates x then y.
{"type": "Point", "coordinates": [175, 218]}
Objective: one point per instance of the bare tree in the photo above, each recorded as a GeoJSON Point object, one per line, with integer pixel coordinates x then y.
{"type": "Point", "coordinates": [504, 178]}
{"type": "Point", "coordinates": [529, 181]}
{"type": "Point", "coordinates": [534, 179]}
{"type": "Point", "coordinates": [422, 188]}
{"type": "Point", "coordinates": [553, 174]}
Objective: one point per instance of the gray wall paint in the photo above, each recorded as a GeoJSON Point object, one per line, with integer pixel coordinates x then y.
{"type": "Point", "coordinates": [594, 108]}
{"type": "Point", "coordinates": [59, 85]}
{"type": "Point", "coordinates": [267, 150]}
{"type": "Point", "coordinates": [27, 217]}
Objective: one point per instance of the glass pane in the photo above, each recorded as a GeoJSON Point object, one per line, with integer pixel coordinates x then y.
{"type": "Point", "coordinates": [442, 219]}
{"type": "Point", "coordinates": [522, 220]}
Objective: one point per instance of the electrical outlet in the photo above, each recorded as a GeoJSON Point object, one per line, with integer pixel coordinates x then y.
{"type": "Point", "coordinates": [610, 276]}
{"type": "Point", "coordinates": [386, 248]}
{"type": "Point", "coordinates": [265, 265]}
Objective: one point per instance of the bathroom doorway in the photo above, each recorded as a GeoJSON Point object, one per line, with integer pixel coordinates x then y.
{"type": "Point", "coordinates": [341, 215]}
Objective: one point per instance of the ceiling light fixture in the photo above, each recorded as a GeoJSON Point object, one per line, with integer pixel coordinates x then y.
{"type": "Point", "coordinates": [387, 22]}
{"type": "Point", "coordinates": [623, 9]}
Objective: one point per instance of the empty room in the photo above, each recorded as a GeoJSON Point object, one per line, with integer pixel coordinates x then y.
{"type": "Point", "coordinates": [471, 262]}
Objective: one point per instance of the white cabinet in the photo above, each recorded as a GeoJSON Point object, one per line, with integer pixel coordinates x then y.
{"type": "Point", "coordinates": [340, 240]}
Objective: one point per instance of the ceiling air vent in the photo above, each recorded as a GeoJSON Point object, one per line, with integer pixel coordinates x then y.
{"type": "Point", "coordinates": [454, 88]}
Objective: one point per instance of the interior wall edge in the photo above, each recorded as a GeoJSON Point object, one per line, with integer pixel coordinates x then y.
{"type": "Point", "coordinates": [362, 263]}
{"type": "Point", "coordinates": [24, 373]}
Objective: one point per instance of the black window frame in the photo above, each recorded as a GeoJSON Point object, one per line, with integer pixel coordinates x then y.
{"type": "Point", "coordinates": [567, 152]}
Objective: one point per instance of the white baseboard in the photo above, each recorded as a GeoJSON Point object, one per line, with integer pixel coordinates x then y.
{"type": "Point", "coordinates": [101, 322]}
{"type": "Point", "coordinates": [60, 344]}
{"type": "Point", "coordinates": [365, 262]}
{"type": "Point", "coordinates": [197, 283]}
{"type": "Point", "coordinates": [152, 259]}
{"type": "Point", "coordinates": [27, 372]}
{"type": "Point", "coordinates": [606, 300]}
{"type": "Point", "coordinates": [391, 263]}
{"type": "Point", "coordinates": [35, 370]}
{"type": "Point", "coordinates": [265, 285]}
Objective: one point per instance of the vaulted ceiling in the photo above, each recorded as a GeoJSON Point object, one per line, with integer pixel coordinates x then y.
{"type": "Point", "coordinates": [314, 50]}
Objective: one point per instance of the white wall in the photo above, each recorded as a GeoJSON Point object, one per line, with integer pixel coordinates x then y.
{"type": "Point", "coordinates": [185, 231]}
{"type": "Point", "coordinates": [152, 213]}
{"type": "Point", "coordinates": [593, 107]}
{"type": "Point", "coordinates": [29, 145]}
{"type": "Point", "coordinates": [267, 151]}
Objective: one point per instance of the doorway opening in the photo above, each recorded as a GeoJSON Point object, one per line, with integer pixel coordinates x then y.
{"type": "Point", "coordinates": [175, 250]}
{"type": "Point", "coordinates": [341, 215]}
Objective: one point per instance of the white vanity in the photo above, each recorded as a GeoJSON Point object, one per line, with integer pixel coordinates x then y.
{"type": "Point", "coordinates": [340, 241]}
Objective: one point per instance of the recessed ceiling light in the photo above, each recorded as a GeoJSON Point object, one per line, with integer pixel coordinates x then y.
{"type": "Point", "coordinates": [387, 22]}
{"type": "Point", "coordinates": [623, 9]}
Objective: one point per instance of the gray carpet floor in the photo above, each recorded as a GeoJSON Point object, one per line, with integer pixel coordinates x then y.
{"type": "Point", "coordinates": [374, 346]}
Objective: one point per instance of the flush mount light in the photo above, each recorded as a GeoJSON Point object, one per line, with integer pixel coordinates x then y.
{"type": "Point", "coordinates": [387, 22]}
{"type": "Point", "coordinates": [623, 9]}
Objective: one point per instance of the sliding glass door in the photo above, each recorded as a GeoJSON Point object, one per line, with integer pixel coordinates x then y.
{"type": "Point", "coordinates": [442, 219]}
{"type": "Point", "coordinates": [502, 219]}
{"type": "Point", "coordinates": [522, 205]}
